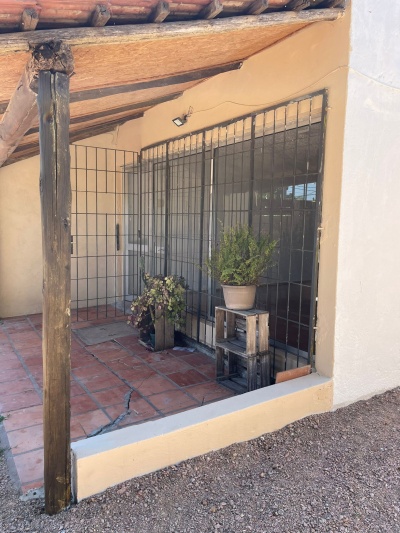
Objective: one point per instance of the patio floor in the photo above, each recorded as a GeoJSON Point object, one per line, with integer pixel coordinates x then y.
{"type": "Point", "coordinates": [114, 384]}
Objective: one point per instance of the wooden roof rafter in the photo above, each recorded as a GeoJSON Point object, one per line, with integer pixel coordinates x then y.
{"type": "Point", "coordinates": [150, 63]}
{"type": "Point", "coordinates": [24, 15]}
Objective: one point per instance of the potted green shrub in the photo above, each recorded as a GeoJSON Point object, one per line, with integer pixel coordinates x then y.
{"type": "Point", "coordinates": [237, 262]}
{"type": "Point", "coordinates": [159, 309]}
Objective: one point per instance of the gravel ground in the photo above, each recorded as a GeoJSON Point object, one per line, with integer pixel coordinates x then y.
{"type": "Point", "coordinates": [333, 472]}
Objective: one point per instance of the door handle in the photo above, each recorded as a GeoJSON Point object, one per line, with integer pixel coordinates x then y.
{"type": "Point", "coordinates": [117, 236]}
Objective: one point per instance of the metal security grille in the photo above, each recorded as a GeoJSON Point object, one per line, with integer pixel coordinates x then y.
{"type": "Point", "coordinates": [264, 169]}
{"type": "Point", "coordinates": [104, 186]}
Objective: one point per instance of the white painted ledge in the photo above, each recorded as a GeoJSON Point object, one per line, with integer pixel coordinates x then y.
{"type": "Point", "coordinates": [106, 460]}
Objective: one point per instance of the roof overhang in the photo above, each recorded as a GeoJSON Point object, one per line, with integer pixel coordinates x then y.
{"type": "Point", "coordinates": [122, 71]}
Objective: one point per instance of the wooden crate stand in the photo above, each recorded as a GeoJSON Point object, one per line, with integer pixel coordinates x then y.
{"type": "Point", "coordinates": [250, 350]}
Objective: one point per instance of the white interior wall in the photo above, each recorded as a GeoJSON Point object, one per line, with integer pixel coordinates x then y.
{"type": "Point", "coordinates": [367, 347]}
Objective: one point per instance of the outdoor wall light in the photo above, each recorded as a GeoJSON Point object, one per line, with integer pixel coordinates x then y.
{"type": "Point", "coordinates": [180, 121]}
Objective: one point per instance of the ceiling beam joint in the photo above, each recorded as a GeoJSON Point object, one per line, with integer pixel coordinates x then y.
{"type": "Point", "coordinates": [29, 19]}
{"type": "Point", "coordinates": [100, 16]}
{"type": "Point", "coordinates": [160, 13]}
{"type": "Point", "coordinates": [211, 11]}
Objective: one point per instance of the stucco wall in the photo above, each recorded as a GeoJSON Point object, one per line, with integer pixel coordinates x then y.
{"type": "Point", "coordinates": [20, 228]}
{"type": "Point", "coordinates": [367, 348]}
{"type": "Point", "coordinates": [20, 239]}
{"type": "Point", "coordinates": [313, 59]}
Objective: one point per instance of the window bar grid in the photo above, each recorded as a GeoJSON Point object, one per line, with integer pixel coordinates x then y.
{"type": "Point", "coordinates": [168, 203]}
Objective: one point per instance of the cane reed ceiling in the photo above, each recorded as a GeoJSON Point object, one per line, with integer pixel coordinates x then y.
{"type": "Point", "coordinates": [131, 64]}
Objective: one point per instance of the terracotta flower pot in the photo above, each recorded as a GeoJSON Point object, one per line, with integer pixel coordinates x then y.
{"type": "Point", "coordinates": [239, 298]}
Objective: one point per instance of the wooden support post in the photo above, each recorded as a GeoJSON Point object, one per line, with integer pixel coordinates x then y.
{"type": "Point", "coordinates": [213, 9]}
{"type": "Point", "coordinates": [55, 192]}
{"type": "Point", "coordinates": [160, 12]}
{"type": "Point", "coordinates": [29, 19]}
{"type": "Point", "coordinates": [100, 16]}
{"type": "Point", "coordinates": [258, 7]}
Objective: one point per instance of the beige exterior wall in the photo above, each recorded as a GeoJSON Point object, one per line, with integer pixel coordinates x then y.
{"type": "Point", "coordinates": [313, 59]}
{"type": "Point", "coordinates": [367, 349]}
{"type": "Point", "coordinates": [20, 229]}
{"type": "Point", "coordinates": [106, 460]}
{"type": "Point", "coordinates": [20, 239]}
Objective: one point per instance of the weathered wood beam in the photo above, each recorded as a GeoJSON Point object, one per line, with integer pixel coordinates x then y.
{"type": "Point", "coordinates": [21, 111]}
{"type": "Point", "coordinates": [31, 149]}
{"type": "Point", "coordinates": [211, 11]}
{"type": "Point", "coordinates": [55, 195]}
{"type": "Point", "coordinates": [118, 110]}
{"type": "Point", "coordinates": [100, 16]}
{"type": "Point", "coordinates": [131, 33]}
{"type": "Point", "coordinates": [297, 5]}
{"type": "Point", "coordinates": [195, 75]}
{"type": "Point", "coordinates": [185, 77]}
{"type": "Point", "coordinates": [258, 7]}
{"type": "Point", "coordinates": [160, 13]}
{"type": "Point", "coordinates": [29, 19]}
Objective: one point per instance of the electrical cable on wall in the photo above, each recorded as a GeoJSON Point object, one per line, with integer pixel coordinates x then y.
{"type": "Point", "coordinates": [298, 93]}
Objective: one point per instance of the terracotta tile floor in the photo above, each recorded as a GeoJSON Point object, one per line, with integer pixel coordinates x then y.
{"type": "Point", "coordinates": [113, 385]}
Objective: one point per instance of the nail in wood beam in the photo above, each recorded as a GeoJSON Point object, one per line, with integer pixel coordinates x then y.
{"type": "Point", "coordinates": [213, 9]}
{"type": "Point", "coordinates": [160, 13]}
{"type": "Point", "coordinates": [100, 16]}
{"type": "Point", "coordinates": [55, 194]}
{"type": "Point", "coordinates": [29, 19]}
{"type": "Point", "coordinates": [257, 7]}
{"type": "Point", "coordinates": [22, 110]}
{"type": "Point", "coordinates": [298, 5]}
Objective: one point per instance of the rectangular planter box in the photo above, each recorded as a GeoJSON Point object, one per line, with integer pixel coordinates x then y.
{"type": "Point", "coordinates": [164, 333]}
